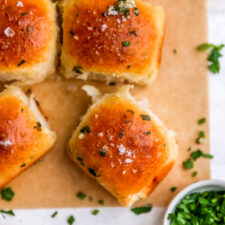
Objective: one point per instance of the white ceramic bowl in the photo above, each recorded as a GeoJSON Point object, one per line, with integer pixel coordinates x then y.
{"type": "Point", "coordinates": [207, 185]}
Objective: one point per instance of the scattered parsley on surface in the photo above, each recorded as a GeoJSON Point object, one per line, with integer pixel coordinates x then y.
{"type": "Point", "coordinates": [201, 138]}
{"type": "Point", "coordinates": [70, 220]}
{"type": "Point", "coordinates": [22, 165]}
{"type": "Point", "coordinates": [7, 194]}
{"type": "Point", "coordinates": [141, 209]}
{"type": "Point", "coordinates": [195, 173]}
{"type": "Point", "coordinates": [198, 153]}
{"type": "Point", "coordinates": [173, 189]}
{"type": "Point", "coordinates": [54, 214]}
{"type": "Point", "coordinates": [81, 195]}
{"type": "Point", "coordinates": [188, 164]}
{"type": "Point", "coordinates": [202, 120]}
{"type": "Point", "coordinates": [8, 212]}
{"type": "Point", "coordinates": [95, 212]}
{"type": "Point", "coordinates": [174, 51]}
{"type": "Point", "coordinates": [101, 202]}
{"type": "Point", "coordinates": [213, 58]}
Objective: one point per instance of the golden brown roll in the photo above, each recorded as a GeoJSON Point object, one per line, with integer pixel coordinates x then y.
{"type": "Point", "coordinates": [123, 145]}
{"type": "Point", "coordinates": [28, 34]}
{"type": "Point", "coordinates": [24, 134]}
{"type": "Point", "coordinates": [112, 40]}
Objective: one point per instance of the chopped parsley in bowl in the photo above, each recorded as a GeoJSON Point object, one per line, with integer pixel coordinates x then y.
{"type": "Point", "coordinates": [201, 203]}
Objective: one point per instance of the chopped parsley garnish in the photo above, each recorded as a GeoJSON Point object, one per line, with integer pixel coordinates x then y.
{"type": "Point", "coordinates": [201, 139]}
{"type": "Point", "coordinates": [141, 209]}
{"type": "Point", "coordinates": [54, 214]}
{"type": "Point", "coordinates": [81, 195]}
{"type": "Point", "coordinates": [7, 194]}
{"type": "Point", "coordinates": [189, 149]}
{"type": "Point", "coordinates": [194, 174]}
{"type": "Point", "coordinates": [71, 33]}
{"type": "Point", "coordinates": [136, 11]}
{"type": "Point", "coordinates": [174, 51]}
{"type": "Point", "coordinates": [213, 58]}
{"type": "Point", "coordinates": [188, 164]}
{"type": "Point", "coordinates": [122, 7]}
{"type": "Point", "coordinates": [125, 43]}
{"type": "Point", "coordinates": [70, 220]}
{"type": "Point", "coordinates": [173, 189]}
{"type": "Point", "coordinates": [24, 13]}
{"type": "Point", "coordinates": [8, 212]}
{"type": "Point", "coordinates": [133, 32]}
{"type": "Point", "coordinates": [147, 133]}
{"type": "Point", "coordinates": [22, 165]}
{"type": "Point", "coordinates": [200, 209]}
{"type": "Point", "coordinates": [85, 129]}
{"type": "Point", "coordinates": [122, 133]}
{"type": "Point", "coordinates": [131, 111]}
{"type": "Point", "coordinates": [202, 120]}
{"type": "Point", "coordinates": [77, 69]}
{"type": "Point", "coordinates": [101, 202]}
{"type": "Point", "coordinates": [21, 62]}
{"type": "Point", "coordinates": [102, 152]}
{"type": "Point", "coordinates": [128, 67]}
{"type": "Point", "coordinates": [198, 153]}
{"type": "Point", "coordinates": [112, 83]}
{"type": "Point", "coordinates": [146, 117]}
{"type": "Point", "coordinates": [79, 159]}
{"type": "Point", "coordinates": [38, 126]}
{"type": "Point", "coordinates": [92, 172]}
{"type": "Point", "coordinates": [95, 212]}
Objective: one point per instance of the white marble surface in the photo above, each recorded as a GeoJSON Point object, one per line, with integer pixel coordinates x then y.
{"type": "Point", "coordinates": [123, 216]}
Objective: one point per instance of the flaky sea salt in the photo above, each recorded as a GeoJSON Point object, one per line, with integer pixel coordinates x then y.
{"type": "Point", "coordinates": [6, 143]}
{"type": "Point", "coordinates": [81, 135]}
{"type": "Point", "coordinates": [19, 4]}
{"type": "Point", "coordinates": [112, 11]}
{"type": "Point", "coordinates": [100, 134]}
{"type": "Point", "coordinates": [128, 160]}
{"type": "Point", "coordinates": [122, 149]}
{"type": "Point", "coordinates": [104, 26]}
{"type": "Point", "coordinates": [9, 32]}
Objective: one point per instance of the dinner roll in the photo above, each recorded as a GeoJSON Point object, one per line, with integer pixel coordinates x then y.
{"type": "Point", "coordinates": [123, 145]}
{"type": "Point", "coordinates": [24, 133]}
{"type": "Point", "coordinates": [112, 40]}
{"type": "Point", "coordinates": [28, 34]}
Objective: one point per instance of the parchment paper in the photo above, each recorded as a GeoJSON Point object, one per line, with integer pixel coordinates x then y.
{"type": "Point", "coordinates": [179, 97]}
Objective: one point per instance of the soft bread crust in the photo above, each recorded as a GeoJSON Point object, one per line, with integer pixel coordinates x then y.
{"type": "Point", "coordinates": [28, 37]}
{"type": "Point", "coordinates": [94, 41]}
{"type": "Point", "coordinates": [139, 152]}
{"type": "Point", "coordinates": [22, 142]}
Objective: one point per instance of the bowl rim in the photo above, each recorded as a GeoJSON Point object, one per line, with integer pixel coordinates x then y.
{"type": "Point", "coordinates": [207, 184]}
